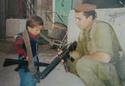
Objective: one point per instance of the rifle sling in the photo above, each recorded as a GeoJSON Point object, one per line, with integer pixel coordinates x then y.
{"type": "Point", "coordinates": [26, 39]}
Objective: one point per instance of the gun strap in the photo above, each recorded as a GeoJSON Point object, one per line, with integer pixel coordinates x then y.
{"type": "Point", "coordinates": [26, 39]}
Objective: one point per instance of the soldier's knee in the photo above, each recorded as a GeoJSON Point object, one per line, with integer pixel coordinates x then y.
{"type": "Point", "coordinates": [83, 63]}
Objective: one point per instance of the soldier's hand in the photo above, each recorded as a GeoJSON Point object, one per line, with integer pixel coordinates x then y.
{"type": "Point", "coordinates": [75, 54]}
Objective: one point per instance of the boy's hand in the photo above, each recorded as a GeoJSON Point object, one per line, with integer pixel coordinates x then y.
{"type": "Point", "coordinates": [27, 58]}
{"type": "Point", "coordinates": [62, 61]}
{"type": "Point", "coordinates": [59, 52]}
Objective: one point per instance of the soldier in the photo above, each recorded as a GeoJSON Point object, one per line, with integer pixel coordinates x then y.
{"type": "Point", "coordinates": [97, 50]}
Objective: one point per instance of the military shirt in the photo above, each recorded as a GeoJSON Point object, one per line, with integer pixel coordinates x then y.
{"type": "Point", "coordinates": [100, 38]}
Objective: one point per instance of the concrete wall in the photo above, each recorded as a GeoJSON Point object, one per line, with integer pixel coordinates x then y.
{"type": "Point", "coordinates": [44, 9]}
{"type": "Point", "coordinates": [14, 26]}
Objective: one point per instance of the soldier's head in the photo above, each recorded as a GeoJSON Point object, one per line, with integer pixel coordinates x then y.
{"type": "Point", "coordinates": [84, 15]}
{"type": "Point", "coordinates": [34, 25]}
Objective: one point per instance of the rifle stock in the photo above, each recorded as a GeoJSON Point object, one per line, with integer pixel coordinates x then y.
{"type": "Point", "coordinates": [9, 62]}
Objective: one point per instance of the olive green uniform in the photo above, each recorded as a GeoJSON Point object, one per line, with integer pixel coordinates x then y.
{"type": "Point", "coordinates": [100, 38]}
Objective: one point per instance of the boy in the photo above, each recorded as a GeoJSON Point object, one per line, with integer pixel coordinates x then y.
{"type": "Point", "coordinates": [33, 26]}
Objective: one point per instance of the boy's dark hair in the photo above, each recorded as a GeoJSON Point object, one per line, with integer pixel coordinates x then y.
{"type": "Point", "coordinates": [34, 21]}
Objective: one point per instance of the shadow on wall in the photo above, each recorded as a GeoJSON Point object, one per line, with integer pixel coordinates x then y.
{"type": "Point", "coordinates": [106, 3]}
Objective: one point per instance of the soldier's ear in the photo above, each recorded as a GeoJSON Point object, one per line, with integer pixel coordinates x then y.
{"type": "Point", "coordinates": [90, 18]}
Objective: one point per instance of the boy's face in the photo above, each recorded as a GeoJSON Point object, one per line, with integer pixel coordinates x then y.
{"type": "Point", "coordinates": [35, 30]}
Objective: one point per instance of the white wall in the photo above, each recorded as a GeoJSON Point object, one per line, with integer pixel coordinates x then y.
{"type": "Point", "coordinates": [73, 30]}
{"type": "Point", "coordinates": [14, 26]}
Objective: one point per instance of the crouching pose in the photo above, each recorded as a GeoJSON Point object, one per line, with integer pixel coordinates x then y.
{"type": "Point", "coordinates": [97, 51]}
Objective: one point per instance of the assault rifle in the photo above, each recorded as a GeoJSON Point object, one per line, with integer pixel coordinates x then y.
{"type": "Point", "coordinates": [62, 56]}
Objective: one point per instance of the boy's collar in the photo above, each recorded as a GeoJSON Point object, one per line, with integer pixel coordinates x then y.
{"type": "Point", "coordinates": [33, 36]}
